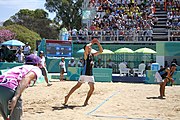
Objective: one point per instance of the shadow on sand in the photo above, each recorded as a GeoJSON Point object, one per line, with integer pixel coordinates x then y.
{"type": "Point", "coordinates": [66, 107]}
{"type": "Point", "coordinates": [155, 98]}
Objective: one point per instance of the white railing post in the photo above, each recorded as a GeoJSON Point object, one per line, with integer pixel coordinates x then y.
{"type": "Point", "coordinates": [134, 35]}
{"type": "Point", "coordinates": [101, 36]}
{"type": "Point", "coordinates": [117, 35]}
{"type": "Point", "coordinates": [169, 35]}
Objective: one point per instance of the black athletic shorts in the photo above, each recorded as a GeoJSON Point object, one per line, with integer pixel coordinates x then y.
{"type": "Point", "coordinates": [43, 71]}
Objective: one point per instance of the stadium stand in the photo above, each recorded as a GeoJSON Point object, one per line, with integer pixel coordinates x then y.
{"type": "Point", "coordinates": [130, 20]}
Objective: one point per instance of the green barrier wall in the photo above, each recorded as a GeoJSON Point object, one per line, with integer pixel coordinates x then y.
{"type": "Point", "coordinates": [73, 73]}
{"type": "Point", "coordinates": [41, 79]}
{"type": "Point", "coordinates": [100, 74]}
{"type": "Point", "coordinates": [53, 64]}
{"type": "Point", "coordinates": [7, 65]}
{"type": "Point", "coordinates": [151, 80]}
{"type": "Point", "coordinates": [167, 51]}
{"type": "Point", "coordinates": [168, 48]}
{"type": "Point", "coordinates": [150, 77]}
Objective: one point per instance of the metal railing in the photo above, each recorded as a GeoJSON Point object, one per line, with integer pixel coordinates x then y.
{"type": "Point", "coordinates": [173, 35]}
{"type": "Point", "coordinates": [124, 35]}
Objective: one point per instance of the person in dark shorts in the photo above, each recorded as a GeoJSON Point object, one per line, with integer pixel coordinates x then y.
{"type": "Point", "coordinates": [62, 65]}
{"type": "Point", "coordinates": [43, 67]}
{"type": "Point", "coordinates": [13, 83]}
{"type": "Point", "coordinates": [86, 74]}
{"type": "Point", "coordinates": [163, 76]}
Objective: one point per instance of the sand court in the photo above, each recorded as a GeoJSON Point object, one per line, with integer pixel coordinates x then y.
{"type": "Point", "coordinates": [119, 101]}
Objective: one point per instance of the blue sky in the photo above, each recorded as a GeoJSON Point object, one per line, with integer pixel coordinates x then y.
{"type": "Point", "coordinates": [9, 7]}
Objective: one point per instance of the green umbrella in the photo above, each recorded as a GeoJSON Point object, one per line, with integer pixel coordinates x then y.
{"type": "Point", "coordinates": [145, 51]}
{"type": "Point", "coordinates": [82, 51]}
{"type": "Point", "coordinates": [124, 50]}
{"type": "Point", "coordinates": [106, 51]}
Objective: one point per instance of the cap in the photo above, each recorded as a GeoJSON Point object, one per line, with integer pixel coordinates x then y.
{"type": "Point", "coordinates": [173, 64]}
{"type": "Point", "coordinates": [33, 59]}
{"type": "Point", "coordinates": [72, 58]}
{"type": "Point", "coordinates": [41, 52]}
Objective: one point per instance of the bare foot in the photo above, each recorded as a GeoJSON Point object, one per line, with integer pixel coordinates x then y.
{"type": "Point", "coordinates": [85, 104]}
{"type": "Point", "coordinates": [65, 100]}
{"type": "Point", "coordinates": [161, 97]}
{"type": "Point", "coordinates": [49, 84]}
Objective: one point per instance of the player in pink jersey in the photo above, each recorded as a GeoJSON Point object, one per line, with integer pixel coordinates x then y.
{"type": "Point", "coordinates": [13, 83]}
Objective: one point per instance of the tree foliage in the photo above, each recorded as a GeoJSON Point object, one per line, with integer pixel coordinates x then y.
{"type": "Point", "coordinates": [35, 20]}
{"type": "Point", "coordinates": [23, 34]}
{"type": "Point", "coordinates": [67, 11]}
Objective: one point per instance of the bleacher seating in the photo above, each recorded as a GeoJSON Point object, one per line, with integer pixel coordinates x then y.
{"type": "Point", "coordinates": [132, 20]}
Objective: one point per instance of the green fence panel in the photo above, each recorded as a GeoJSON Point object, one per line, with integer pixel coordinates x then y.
{"type": "Point", "coordinates": [151, 80]}
{"type": "Point", "coordinates": [100, 74]}
{"type": "Point", "coordinates": [8, 65]}
{"type": "Point", "coordinates": [53, 64]}
{"type": "Point", "coordinates": [73, 73]}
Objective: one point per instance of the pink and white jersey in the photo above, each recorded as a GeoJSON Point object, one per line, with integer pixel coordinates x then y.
{"type": "Point", "coordinates": [12, 77]}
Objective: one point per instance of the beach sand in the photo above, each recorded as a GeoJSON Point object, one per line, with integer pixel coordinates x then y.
{"type": "Point", "coordinates": [118, 101]}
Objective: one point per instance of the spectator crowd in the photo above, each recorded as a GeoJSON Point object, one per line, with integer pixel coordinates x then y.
{"type": "Point", "coordinates": [14, 53]}
{"type": "Point", "coordinates": [173, 17]}
{"type": "Point", "coordinates": [127, 20]}
{"type": "Point", "coordinates": [125, 17]}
